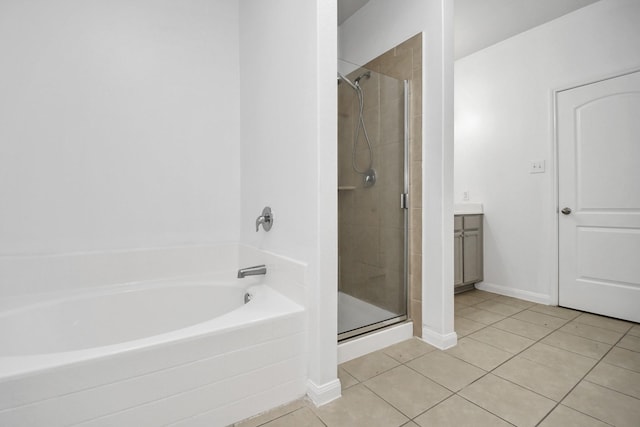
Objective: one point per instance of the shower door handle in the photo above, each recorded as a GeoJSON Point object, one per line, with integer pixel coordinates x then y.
{"type": "Point", "coordinates": [404, 201]}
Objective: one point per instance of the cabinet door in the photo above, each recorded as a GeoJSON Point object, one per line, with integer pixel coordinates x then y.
{"type": "Point", "coordinates": [472, 256]}
{"type": "Point", "coordinates": [457, 258]}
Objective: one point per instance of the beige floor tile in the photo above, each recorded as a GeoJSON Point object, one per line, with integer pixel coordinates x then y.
{"type": "Point", "coordinates": [272, 414]}
{"type": "Point", "coordinates": [540, 319]}
{"type": "Point", "coordinates": [502, 339]}
{"type": "Point", "coordinates": [498, 308]}
{"type": "Point", "coordinates": [360, 407]}
{"type": "Point", "coordinates": [623, 358]}
{"type": "Point", "coordinates": [459, 412]}
{"type": "Point", "coordinates": [604, 404]}
{"type": "Point", "coordinates": [522, 328]}
{"type": "Point", "coordinates": [563, 313]}
{"type": "Point", "coordinates": [408, 350]}
{"type": "Point", "coordinates": [468, 299]}
{"type": "Point", "coordinates": [615, 378]}
{"type": "Point", "coordinates": [553, 383]}
{"type": "Point", "coordinates": [576, 344]}
{"type": "Point", "coordinates": [635, 331]}
{"type": "Point", "coordinates": [480, 316]}
{"type": "Point", "coordinates": [407, 391]}
{"type": "Point", "coordinates": [508, 401]}
{"type": "Point", "coordinates": [514, 301]}
{"type": "Point", "coordinates": [446, 370]}
{"type": "Point", "coordinates": [369, 365]}
{"type": "Point", "coordinates": [604, 322]}
{"type": "Point", "coordinates": [346, 380]}
{"type": "Point", "coordinates": [482, 294]}
{"type": "Point", "coordinates": [556, 358]}
{"type": "Point", "coordinates": [465, 327]}
{"type": "Point", "coordinates": [564, 416]}
{"type": "Point", "coordinates": [459, 306]}
{"type": "Point", "coordinates": [630, 343]}
{"type": "Point", "coordinates": [595, 333]}
{"type": "Point", "coordinates": [410, 424]}
{"type": "Point", "coordinates": [479, 354]}
{"type": "Point", "coordinates": [303, 417]}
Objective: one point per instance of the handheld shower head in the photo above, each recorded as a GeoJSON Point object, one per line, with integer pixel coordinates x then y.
{"type": "Point", "coordinates": [347, 81]}
{"type": "Point", "coordinates": [365, 75]}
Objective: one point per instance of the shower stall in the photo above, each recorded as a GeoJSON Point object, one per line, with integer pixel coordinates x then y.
{"type": "Point", "coordinates": [372, 200]}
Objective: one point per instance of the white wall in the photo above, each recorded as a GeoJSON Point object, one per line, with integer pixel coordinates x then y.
{"type": "Point", "coordinates": [374, 29]}
{"type": "Point", "coordinates": [288, 122]}
{"type": "Point", "coordinates": [504, 119]}
{"type": "Point", "coordinates": [119, 125]}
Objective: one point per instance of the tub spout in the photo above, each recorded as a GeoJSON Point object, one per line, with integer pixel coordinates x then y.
{"type": "Point", "coordinates": [252, 271]}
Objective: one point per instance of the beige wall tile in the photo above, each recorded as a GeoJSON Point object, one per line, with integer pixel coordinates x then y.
{"type": "Point", "coordinates": [416, 315]}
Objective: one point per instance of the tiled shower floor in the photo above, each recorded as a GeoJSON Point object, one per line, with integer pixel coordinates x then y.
{"type": "Point", "coordinates": [516, 363]}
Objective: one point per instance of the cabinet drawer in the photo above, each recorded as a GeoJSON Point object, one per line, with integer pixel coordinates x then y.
{"type": "Point", "coordinates": [472, 221]}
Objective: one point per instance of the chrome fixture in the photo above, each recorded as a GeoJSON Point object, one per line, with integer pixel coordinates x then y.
{"type": "Point", "coordinates": [369, 173]}
{"type": "Point", "coordinates": [266, 219]}
{"type": "Point", "coordinates": [566, 211]}
{"type": "Point", "coordinates": [247, 297]}
{"type": "Point", "coordinates": [252, 271]}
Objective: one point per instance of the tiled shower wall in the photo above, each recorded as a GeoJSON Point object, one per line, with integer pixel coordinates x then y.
{"type": "Point", "coordinates": [370, 223]}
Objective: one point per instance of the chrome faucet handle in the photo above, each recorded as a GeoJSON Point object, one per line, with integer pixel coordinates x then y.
{"type": "Point", "coordinates": [266, 219]}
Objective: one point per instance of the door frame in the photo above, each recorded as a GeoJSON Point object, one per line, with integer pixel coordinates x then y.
{"type": "Point", "coordinates": [554, 214]}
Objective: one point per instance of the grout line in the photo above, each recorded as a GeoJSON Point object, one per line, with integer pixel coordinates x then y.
{"type": "Point", "coordinates": [609, 388]}
{"type": "Point", "coordinates": [484, 409]}
{"type": "Point", "coordinates": [580, 381]}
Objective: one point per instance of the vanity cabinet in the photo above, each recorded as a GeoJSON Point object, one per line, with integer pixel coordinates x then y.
{"type": "Point", "coordinates": [468, 257]}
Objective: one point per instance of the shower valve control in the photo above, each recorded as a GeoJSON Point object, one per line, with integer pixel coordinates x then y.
{"type": "Point", "coordinates": [266, 219]}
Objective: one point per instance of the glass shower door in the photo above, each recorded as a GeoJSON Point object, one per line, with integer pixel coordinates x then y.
{"type": "Point", "coordinates": [372, 214]}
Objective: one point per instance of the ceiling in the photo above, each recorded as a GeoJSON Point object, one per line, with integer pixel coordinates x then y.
{"type": "Point", "coordinates": [482, 23]}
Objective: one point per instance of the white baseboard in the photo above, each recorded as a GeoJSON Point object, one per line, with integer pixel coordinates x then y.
{"type": "Point", "coordinates": [374, 341]}
{"type": "Point", "coordinates": [441, 341]}
{"type": "Point", "coordinates": [325, 393]}
{"type": "Point", "coordinates": [516, 293]}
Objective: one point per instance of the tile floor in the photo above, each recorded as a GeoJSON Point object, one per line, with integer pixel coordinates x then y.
{"type": "Point", "coordinates": [516, 363]}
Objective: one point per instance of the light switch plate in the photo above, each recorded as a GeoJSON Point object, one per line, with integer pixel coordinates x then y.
{"type": "Point", "coordinates": [537, 166]}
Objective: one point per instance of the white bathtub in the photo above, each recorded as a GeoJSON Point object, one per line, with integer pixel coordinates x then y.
{"type": "Point", "coordinates": [179, 352]}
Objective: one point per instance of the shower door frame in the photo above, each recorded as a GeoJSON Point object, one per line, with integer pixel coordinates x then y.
{"type": "Point", "coordinates": [404, 205]}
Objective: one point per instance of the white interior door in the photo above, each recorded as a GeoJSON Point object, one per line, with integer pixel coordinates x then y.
{"type": "Point", "coordinates": [599, 182]}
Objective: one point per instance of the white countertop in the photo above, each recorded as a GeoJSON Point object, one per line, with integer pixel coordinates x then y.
{"type": "Point", "coordinates": [467, 208]}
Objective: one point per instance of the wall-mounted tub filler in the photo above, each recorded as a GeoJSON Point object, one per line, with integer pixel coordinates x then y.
{"type": "Point", "coordinates": [266, 219]}
{"type": "Point", "coordinates": [252, 271]}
